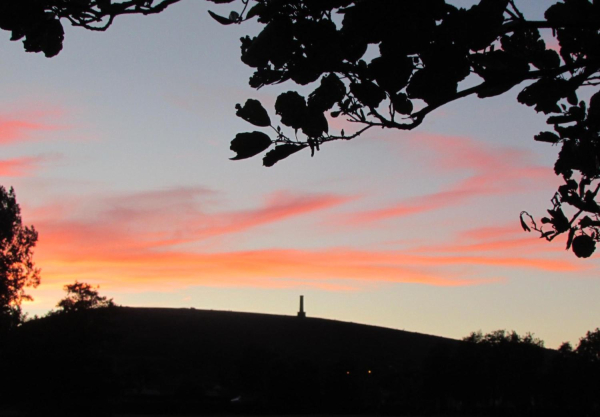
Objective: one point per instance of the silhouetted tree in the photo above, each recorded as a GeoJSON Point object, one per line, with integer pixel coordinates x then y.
{"type": "Point", "coordinates": [575, 383]}
{"type": "Point", "coordinates": [501, 337]}
{"type": "Point", "coordinates": [500, 371]}
{"type": "Point", "coordinates": [424, 50]}
{"type": "Point", "coordinates": [82, 296]}
{"type": "Point", "coordinates": [17, 270]}
{"type": "Point", "coordinates": [588, 354]}
{"type": "Point", "coordinates": [589, 346]}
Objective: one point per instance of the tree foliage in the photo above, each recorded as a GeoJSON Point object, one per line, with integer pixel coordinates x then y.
{"type": "Point", "coordinates": [581, 368]}
{"type": "Point", "coordinates": [503, 338]}
{"type": "Point", "coordinates": [501, 368]}
{"type": "Point", "coordinates": [423, 54]}
{"type": "Point", "coordinates": [17, 270]}
{"type": "Point", "coordinates": [38, 22]}
{"type": "Point", "coordinates": [424, 50]}
{"type": "Point", "coordinates": [82, 296]}
{"type": "Point", "coordinates": [589, 346]}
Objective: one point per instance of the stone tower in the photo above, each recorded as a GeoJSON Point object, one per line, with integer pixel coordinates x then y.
{"type": "Point", "coordinates": [301, 313]}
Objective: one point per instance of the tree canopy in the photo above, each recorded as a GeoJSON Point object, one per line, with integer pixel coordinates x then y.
{"type": "Point", "coordinates": [17, 270]}
{"type": "Point", "coordinates": [430, 53]}
{"type": "Point", "coordinates": [38, 22]}
{"type": "Point", "coordinates": [422, 55]}
{"type": "Point", "coordinates": [502, 338]}
{"type": "Point", "coordinates": [588, 347]}
{"type": "Point", "coordinates": [82, 296]}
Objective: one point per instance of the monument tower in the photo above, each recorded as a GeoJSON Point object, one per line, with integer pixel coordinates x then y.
{"type": "Point", "coordinates": [301, 313]}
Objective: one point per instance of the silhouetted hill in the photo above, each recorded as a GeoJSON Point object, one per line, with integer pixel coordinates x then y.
{"type": "Point", "coordinates": [198, 362]}
{"type": "Point", "coordinates": [160, 359]}
{"type": "Point", "coordinates": [224, 334]}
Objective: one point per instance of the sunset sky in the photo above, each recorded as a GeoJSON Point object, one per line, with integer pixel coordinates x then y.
{"type": "Point", "coordinates": [118, 149]}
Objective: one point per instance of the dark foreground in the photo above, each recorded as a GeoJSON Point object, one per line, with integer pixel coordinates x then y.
{"type": "Point", "coordinates": [138, 361]}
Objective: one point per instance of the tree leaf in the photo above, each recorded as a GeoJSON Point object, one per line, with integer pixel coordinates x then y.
{"type": "Point", "coordinates": [392, 74]}
{"type": "Point", "coordinates": [524, 225]}
{"type": "Point", "coordinates": [401, 103]}
{"type": "Point", "coordinates": [256, 11]}
{"type": "Point", "coordinates": [315, 124]}
{"type": "Point", "coordinates": [292, 108]}
{"type": "Point", "coordinates": [248, 144]}
{"type": "Point", "coordinates": [331, 91]}
{"type": "Point", "coordinates": [281, 152]}
{"type": "Point", "coordinates": [253, 112]}
{"type": "Point", "coordinates": [570, 239]}
{"type": "Point", "coordinates": [593, 116]}
{"type": "Point", "coordinates": [559, 220]}
{"type": "Point", "coordinates": [545, 93]}
{"type": "Point", "coordinates": [547, 137]}
{"type": "Point", "coordinates": [368, 93]}
{"type": "Point", "coordinates": [222, 20]}
{"type": "Point", "coordinates": [546, 234]}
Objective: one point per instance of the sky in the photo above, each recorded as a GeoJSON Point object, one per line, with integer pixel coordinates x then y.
{"type": "Point", "coordinates": [118, 149]}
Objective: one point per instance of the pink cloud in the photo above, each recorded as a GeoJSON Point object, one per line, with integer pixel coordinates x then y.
{"type": "Point", "coordinates": [491, 233]}
{"type": "Point", "coordinates": [277, 207]}
{"type": "Point", "coordinates": [493, 171]}
{"type": "Point", "coordinates": [135, 240]}
{"type": "Point", "coordinates": [19, 167]}
{"type": "Point", "coordinates": [163, 219]}
{"type": "Point", "coordinates": [23, 125]}
{"type": "Point", "coordinates": [130, 241]}
{"type": "Point", "coordinates": [502, 246]}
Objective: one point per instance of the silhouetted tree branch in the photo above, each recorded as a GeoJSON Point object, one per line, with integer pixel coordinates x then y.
{"type": "Point", "coordinates": [426, 50]}
{"type": "Point", "coordinates": [38, 21]}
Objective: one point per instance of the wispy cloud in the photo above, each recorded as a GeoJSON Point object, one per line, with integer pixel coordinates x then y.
{"type": "Point", "coordinates": [490, 170]}
{"type": "Point", "coordinates": [112, 247]}
{"type": "Point", "coordinates": [331, 269]}
{"type": "Point", "coordinates": [20, 167]}
{"type": "Point", "coordinates": [260, 268]}
{"type": "Point", "coordinates": [20, 126]}
{"type": "Point", "coordinates": [502, 245]}
{"type": "Point", "coordinates": [161, 219]}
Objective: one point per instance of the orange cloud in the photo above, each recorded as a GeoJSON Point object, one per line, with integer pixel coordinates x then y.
{"type": "Point", "coordinates": [335, 268]}
{"type": "Point", "coordinates": [133, 242]}
{"type": "Point", "coordinates": [260, 268]}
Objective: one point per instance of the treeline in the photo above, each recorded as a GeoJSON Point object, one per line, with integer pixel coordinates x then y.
{"type": "Point", "coordinates": [502, 373]}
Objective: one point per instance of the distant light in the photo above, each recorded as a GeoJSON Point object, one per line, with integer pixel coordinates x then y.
{"type": "Point", "coordinates": [369, 371]}
{"type": "Point", "coordinates": [348, 373]}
